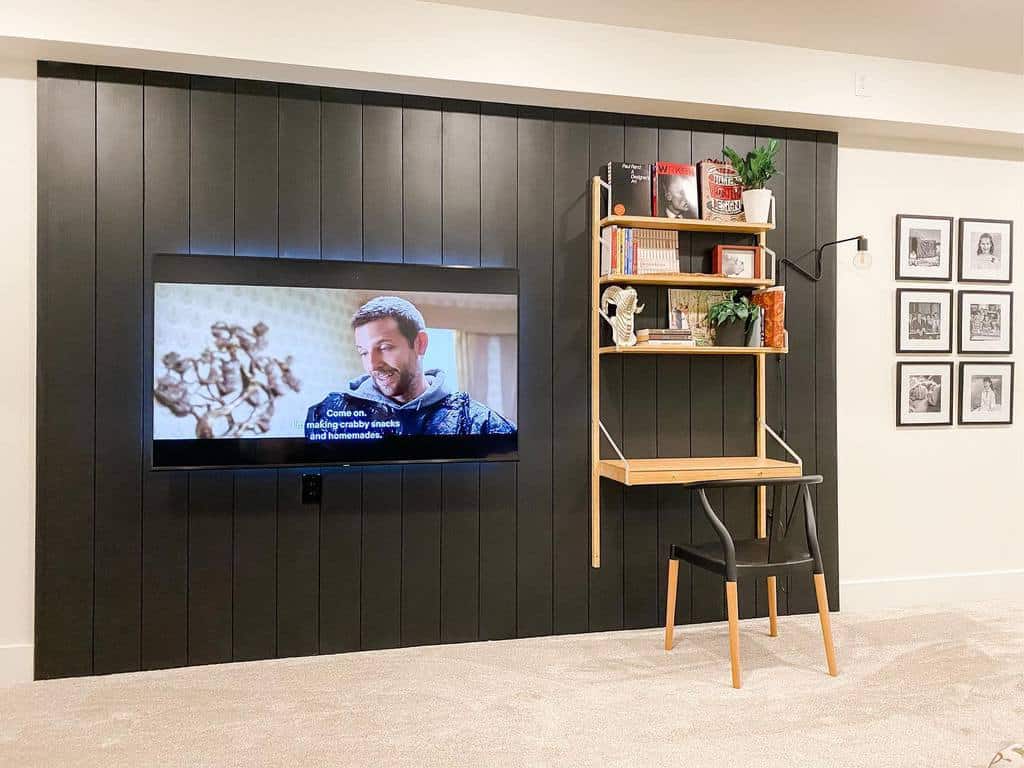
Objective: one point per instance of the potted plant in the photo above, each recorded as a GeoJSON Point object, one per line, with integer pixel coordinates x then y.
{"type": "Point", "coordinates": [732, 318]}
{"type": "Point", "coordinates": [754, 171]}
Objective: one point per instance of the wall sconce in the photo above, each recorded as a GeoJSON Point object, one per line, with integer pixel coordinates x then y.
{"type": "Point", "coordinates": [861, 261]}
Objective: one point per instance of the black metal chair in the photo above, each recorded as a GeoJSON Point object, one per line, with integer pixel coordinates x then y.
{"type": "Point", "coordinates": [754, 557]}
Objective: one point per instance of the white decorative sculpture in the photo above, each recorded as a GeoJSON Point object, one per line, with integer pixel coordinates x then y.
{"type": "Point", "coordinates": [626, 307]}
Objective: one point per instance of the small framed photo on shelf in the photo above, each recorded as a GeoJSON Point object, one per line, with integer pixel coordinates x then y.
{"type": "Point", "coordinates": [986, 251]}
{"type": "Point", "coordinates": [985, 322]}
{"type": "Point", "coordinates": [924, 394]}
{"type": "Point", "coordinates": [924, 320]}
{"type": "Point", "coordinates": [986, 393]}
{"type": "Point", "coordinates": [924, 247]}
{"type": "Point", "coordinates": [740, 261]}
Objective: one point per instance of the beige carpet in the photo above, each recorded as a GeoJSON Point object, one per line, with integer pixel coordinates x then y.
{"type": "Point", "coordinates": [939, 688]}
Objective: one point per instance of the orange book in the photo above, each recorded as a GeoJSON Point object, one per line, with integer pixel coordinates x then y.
{"type": "Point", "coordinates": [772, 302]}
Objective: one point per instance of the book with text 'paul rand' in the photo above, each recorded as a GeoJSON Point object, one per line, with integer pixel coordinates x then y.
{"type": "Point", "coordinates": [675, 191]}
{"type": "Point", "coordinates": [630, 188]}
{"type": "Point", "coordinates": [720, 191]}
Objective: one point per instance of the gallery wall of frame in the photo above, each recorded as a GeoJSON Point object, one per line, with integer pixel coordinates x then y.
{"type": "Point", "coordinates": [927, 392]}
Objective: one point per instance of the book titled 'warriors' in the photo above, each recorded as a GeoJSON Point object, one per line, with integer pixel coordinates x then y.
{"type": "Point", "coordinates": [720, 191]}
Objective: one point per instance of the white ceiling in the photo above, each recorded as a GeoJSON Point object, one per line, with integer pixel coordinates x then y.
{"type": "Point", "coordinates": [985, 34]}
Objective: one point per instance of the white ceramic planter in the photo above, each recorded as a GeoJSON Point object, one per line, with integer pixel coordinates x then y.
{"type": "Point", "coordinates": [757, 205]}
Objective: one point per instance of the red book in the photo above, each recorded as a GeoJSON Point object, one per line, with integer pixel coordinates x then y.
{"type": "Point", "coordinates": [772, 302]}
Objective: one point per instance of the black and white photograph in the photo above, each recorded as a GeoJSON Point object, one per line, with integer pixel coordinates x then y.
{"type": "Point", "coordinates": [986, 250]}
{"type": "Point", "coordinates": [985, 320]}
{"type": "Point", "coordinates": [924, 394]}
{"type": "Point", "coordinates": [986, 393]}
{"type": "Point", "coordinates": [924, 247]}
{"type": "Point", "coordinates": [924, 320]}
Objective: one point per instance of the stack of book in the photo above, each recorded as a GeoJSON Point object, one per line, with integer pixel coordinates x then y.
{"type": "Point", "coordinates": [628, 251]}
{"type": "Point", "coordinates": [665, 337]}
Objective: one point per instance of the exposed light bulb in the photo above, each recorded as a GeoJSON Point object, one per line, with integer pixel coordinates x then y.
{"type": "Point", "coordinates": [862, 260]}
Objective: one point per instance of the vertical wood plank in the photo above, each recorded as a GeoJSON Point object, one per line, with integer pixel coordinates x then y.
{"type": "Point", "coordinates": [119, 389]}
{"type": "Point", "coordinates": [341, 531]}
{"type": "Point", "coordinates": [299, 173]}
{"type": "Point", "coordinates": [341, 176]}
{"type": "Point", "coordinates": [775, 365]}
{"type": "Point", "coordinates": [535, 231]}
{"type": "Point", "coordinates": [460, 183]}
{"type": "Point", "coordinates": [254, 591]}
{"type": "Point", "coordinates": [382, 178]}
{"type": "Point", "coordinates": [607, 143]}
{"type": "Point", "coordinates": [498, 545]}
{"type": "Point", "coordinates": [257, 132]}
{"type": "Point", "coordinates": [460, 552]}
{"type": "Point", "coordinates": [673, 408]}
{"type": "Point", "coordinates": [210, 526]}
{"type": "Point", "coordinates": [298, 568]}
{"type": "Point", "coordinates": [801, 177]}
{"type": "Point", "coordinates": [498, 191]}
{"type": "Point", "coordinates": [421, 179]}
{"type": "Point", "coordinates": [212, 165]}
{"type": "Point", "coordinates": [571, 369]}
{"type": "Point", "coordinates": [165, 494]}
{"type": "Point", "coordinates": [65, 416]}
{"type": "Point", "coordinates": [211, 494]}
{"type": "Point", "coordinates": [421, 555]}
{"type": "Point", "coordinates": [381, 588]}
{"type": "Point", "coordinates": [825, 416]}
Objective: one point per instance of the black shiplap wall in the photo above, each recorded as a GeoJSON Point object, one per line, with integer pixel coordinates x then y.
{"type": "Point", "coordinates": [142, 570]}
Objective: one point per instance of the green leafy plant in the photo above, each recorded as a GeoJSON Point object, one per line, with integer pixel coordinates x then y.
{"type": "Point", "coordinates": [757, 167]}
{"type": "Point", "coordinates": [733, 309]}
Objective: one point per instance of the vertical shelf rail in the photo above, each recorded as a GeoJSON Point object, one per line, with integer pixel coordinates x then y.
{"type": "Point", "coordinates": [595, 362]}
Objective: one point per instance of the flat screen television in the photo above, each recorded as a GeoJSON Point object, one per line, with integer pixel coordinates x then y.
{"type": "Point", "coordinates": [287, 362]}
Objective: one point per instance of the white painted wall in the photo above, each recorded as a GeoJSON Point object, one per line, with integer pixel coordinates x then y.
{"type": "Point", "coordinates": [18, 372]}
{"type": "Point", "coordinates": [924, 513]}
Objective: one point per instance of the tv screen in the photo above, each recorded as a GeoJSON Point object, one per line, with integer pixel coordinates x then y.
{"type": "Point", "coordinates": [277, 362]}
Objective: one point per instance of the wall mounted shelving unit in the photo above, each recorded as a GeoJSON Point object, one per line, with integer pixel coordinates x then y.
{"type": "Point", "coordinates": [686, 470]}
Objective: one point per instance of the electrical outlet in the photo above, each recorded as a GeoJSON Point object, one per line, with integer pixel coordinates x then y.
{"type": "Point", "coordinates": [312, 489]}
{"type": "Point", "coordinates": [862, 85]}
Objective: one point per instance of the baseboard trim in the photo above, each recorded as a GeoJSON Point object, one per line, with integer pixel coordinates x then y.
{"type": "Point", "coordinates": [15, 664]}
{"type": "Point", "coordinates": [937, 589]}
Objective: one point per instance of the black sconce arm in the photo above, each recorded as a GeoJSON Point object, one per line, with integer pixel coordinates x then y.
{"type": "Point", "coordinates": [862, 245]}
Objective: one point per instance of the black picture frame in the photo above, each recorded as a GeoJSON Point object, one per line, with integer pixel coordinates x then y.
{"type": "Point", "coordinates": [960, 251]}
{"type": "Point", "coordinates": [899, 245]}
{"type": "Point", "coordinates": [900, 349]}
{"type": "Point", "coordinates": [899, 392]}
{"type": "Point", "coordinates": [960, 297]}
{"type": "Point", "coordinates": [960, 391]}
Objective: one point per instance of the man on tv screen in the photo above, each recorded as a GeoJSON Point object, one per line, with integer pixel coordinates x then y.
{"type": "Point", "coordinates": [396, 396]}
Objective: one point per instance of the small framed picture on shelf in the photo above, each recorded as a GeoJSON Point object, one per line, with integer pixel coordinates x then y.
{"type": "Point", "coordinates": [924, 247]}
{"type": "Point", "coordinates": [924, 320]}
{"type": "Point", "coordinates": [986, 393]}
{"type": "Point", "coordinates": [740, 261]}
{"type": "Point", "coordinates": [986, 251]}
{"type": "Point", "coordinates": [924, 394]}
{"type": "Point", "coordinates": [985, 322]}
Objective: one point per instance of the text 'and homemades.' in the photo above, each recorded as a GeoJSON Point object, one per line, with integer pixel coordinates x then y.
{"type": "Point", "coordinates": [349, 424]}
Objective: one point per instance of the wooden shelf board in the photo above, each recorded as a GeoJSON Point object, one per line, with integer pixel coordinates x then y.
{"type": "Point", "coordinates": [666, 349]}
{"type": "Point", "coordinates": [686, 225]}
{"type": "Point", "coordinates": [695, 470]}
{"type": "Point", "coordinates": [687, 279]}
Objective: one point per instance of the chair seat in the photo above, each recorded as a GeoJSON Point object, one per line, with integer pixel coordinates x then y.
{"type": "Point", "coordinates": [751, 556]}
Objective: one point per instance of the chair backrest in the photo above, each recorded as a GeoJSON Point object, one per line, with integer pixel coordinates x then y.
{"type": "Point", "coordinates": [759, 481]}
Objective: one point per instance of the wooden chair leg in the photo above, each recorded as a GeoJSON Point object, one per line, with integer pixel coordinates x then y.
{"type": "Point", "coordinates": [732, 608]}
{"type": "Point", "coordinates": [773, 608]}
{"type": "Point", "coordinates": [670, 602]}
{"type": "Point", "coordinates": [826, 623]}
